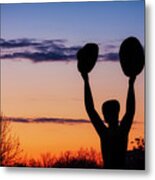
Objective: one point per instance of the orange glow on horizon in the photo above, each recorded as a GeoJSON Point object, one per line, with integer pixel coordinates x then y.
{"type": "Point", "coordinates": [56, 90]}
{"type": "Point", "coordinates": [40, 138]}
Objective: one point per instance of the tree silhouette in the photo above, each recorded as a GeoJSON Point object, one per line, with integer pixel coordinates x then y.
{"type": "Point", "coordinates": [9, 144]}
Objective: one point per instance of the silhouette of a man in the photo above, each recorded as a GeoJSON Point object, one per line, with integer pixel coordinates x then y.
{"type": "Point", "coordinates": [114, 138]}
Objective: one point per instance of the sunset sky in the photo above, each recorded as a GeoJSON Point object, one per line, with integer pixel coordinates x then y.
{"type": "Point", "coordinates": [39, 77]}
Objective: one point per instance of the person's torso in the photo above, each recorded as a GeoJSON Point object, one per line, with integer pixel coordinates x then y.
{"type": "Point", "coordinates": [114, 146]}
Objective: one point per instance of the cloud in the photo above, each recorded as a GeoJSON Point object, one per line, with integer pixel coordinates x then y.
{"type": "Point", "coordinates": [110, 46]}
{"type": "Point", "coordinates": [38, 51]}
{"type": "Point", "coordinates": [112, 56]}
{"type": "Point", "coordinates": [47, 50]}
{"type": "Point", "coordinates": [53, 120]}
{"type": "Point", "coordinates": [40, 56]}
{"type": "Point", "coordinates": [18, 120]}
{"type": "Point", "coordinates": [15, 43]}
{"type": "Point", "coordinates": [49, 120]}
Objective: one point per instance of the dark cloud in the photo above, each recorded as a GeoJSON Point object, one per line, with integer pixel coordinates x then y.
{"type": "Point", "coordinates": [110, 57]}
{"type": "Point", "coordinates": [16, 43]}
{"type": "Point", "coordinates": [49, 120]}
{"type": "Point", "coordinates": [110, 46]}
{"type": "Point", "coordinates": [53, 120]}
{"type": "Point", "coordinates": [40, 56]}
{"type": "Point", "coordinates": [18, 120]}
{"type": "Point", "coordinates": [60, 121]}
{"type": "Point", "coordinates": [46, 50]}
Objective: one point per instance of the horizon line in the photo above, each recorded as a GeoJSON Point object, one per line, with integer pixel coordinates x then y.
{"type": "Point", "coordinates": [52, 120]}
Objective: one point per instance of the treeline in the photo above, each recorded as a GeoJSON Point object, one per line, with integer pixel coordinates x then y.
{"type": "Point", "coordinates": [11, 154]}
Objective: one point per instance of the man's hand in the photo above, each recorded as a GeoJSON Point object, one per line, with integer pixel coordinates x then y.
{"type": "Point", "coordinates": [132, 80]}
{"type": "Point", "coordinates": [85, 76]}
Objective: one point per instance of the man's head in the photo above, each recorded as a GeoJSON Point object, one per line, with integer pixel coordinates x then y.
{"type": "Point", "coordinates": [110, 110]}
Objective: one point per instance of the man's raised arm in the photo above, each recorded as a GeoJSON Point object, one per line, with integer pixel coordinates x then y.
{"type": "Point", "coordinates": [130, 106]}
{"type": "Point", "coordinates": [89, 105]}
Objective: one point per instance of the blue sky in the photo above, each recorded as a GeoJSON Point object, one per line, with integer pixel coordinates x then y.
{"type": "Point", "coordinates": [76, 22]}
{"type": "Point", "coordinates": [73, 24]}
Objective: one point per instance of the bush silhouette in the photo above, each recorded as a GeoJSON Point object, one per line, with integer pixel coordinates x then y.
{"type": "Point", "coordinates": [83, 158]}
{"type": "Point", "coordinates": [10, 154]}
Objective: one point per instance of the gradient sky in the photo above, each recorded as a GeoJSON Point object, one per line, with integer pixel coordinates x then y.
{"type": "Point", "coordinates": [38, 65]}
{"type": "Point", "coordinates": [76, 22]}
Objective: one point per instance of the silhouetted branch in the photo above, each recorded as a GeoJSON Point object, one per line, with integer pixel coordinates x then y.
{"type": "Point", "coordinates": [9, 144]}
